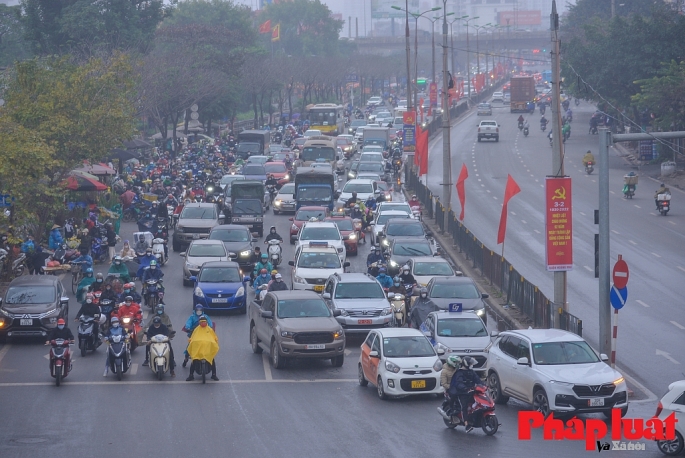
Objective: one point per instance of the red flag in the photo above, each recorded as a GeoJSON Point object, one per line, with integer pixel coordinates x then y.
{"type": "Point", "coordinates": [266, 27]}
{"type": "Point", "coordinates": [461, 192]}
{"type": "Point", "coordinates": [510, 191]}
{"type": "Point", "coordinates": [422, 148]}
{"type": "Point", "coordinates": [276, 33]}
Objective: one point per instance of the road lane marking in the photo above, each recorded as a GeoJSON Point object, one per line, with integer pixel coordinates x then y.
{"type": "Point", "coordinates": [487, 190]}
{"type": "Point", "coordinates": [681, 268]}
{"type": "Point", "coordinates": [642, 303]}
{"type": "Point", "coordinates": [658, 256]}
{"type": "Point", "coordinates": [666, 355]}
{"type": "Point", "coordinates": [176, 382]}
{"type": "Point", "coordinates": [609, 191]}
{"type": "Point", "coordinates": [537, 181]}
{"type": "Point", "coordinates": [536, 231]}
{"type": "Point", "coordinates": [637, 206]}
{"type": "Point", "coordinates": [632, 242]}
{"type": "Point", "coordinates": [582, 213]}
{"type": "Point", "coordinates": [134, 369]}
{"type": "Point", "coordinates": [672, 222]}
{"type": "Point", "coordinates": [524, 221]}
{"type": "Point", "coordinates": [348, 352]}
{"type": "Point", "coordinates": [513, 213]}
{"type": "Point", "coordinates": [494, 197]}
{"type": "Point", "coordinates": [4, 351]}
{"type": "Point", "coordinates": [615, 232]}
{"type": "Point", "coordinates": [589, 268]}
{"type": "Point", "coordinates": [677, 325]}
{"type": "Point", "coordinates": [267, 367]}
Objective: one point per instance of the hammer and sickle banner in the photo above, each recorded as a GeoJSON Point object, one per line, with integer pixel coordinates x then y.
{"type": "Point", "coordinates": [558, 224]}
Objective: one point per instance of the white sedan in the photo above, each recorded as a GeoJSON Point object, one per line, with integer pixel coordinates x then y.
{"type": "Point", "coordinates": [399, 362]}
{"type": "Point", "coordinates": [284, 200]}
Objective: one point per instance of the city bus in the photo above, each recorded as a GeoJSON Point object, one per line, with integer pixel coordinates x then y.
{"type": "Point", "coordinates": [326, 117]}
{"type": "Point", "coordinates": [318, 149]}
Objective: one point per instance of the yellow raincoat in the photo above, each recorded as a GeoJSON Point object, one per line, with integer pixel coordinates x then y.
{"type": "Point", "coordinates": [203, 344]}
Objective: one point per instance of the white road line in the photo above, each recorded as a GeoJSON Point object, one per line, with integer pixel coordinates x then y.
{"type": "Point", "coordinates": [672, 222]}
{"type": "Point", "coordinates": [537, 181]}
{"type": "Point", "coordinates": [632, 242]}
{"type": "Point", "coordinates": [479, 179]}
{"type": "Point", "coordinates": [615, 232]}
{"type": "Point", "coordinates": [666, 355]}
{"type": "Point", "coordinates": [348, 352]}
{"type": "Point", "coordinates": [609, 191]}
{"type": "Point", "coordinates": [542, 186]}
{"type": "Point", "coordinates": [637, 206]}
{"type": "Point", "coordinates": [582, 213]}
{"type": "Point", "coordinates": [524, 221]}
{"type": "Point", "coordinates": [513, 213]}
{"type": "Point", "coordinates": [658, 256]}
{"type": "Point", "coordinates": [677, 325]}
{"type": "Point", "coordinates": [134, 369]}
{"type": "Point", "coordinates": [681, 268]}
{"type": "Point", "coordinates": [267, 367]}
{"type": "Point", "coordinates": [642, 303]}
{"type": "Point", "coordinates": [177, 382]}
{"type": "Point", "coordinates": [589, 268]}
{"type": "Point", "coordinates": [487, 190]}
{"type": "Point", "coordinates": [4, 351]}
{"type": "Point", "coordinates": [536, 231]}
{"type": "Point", "coordinates": [494, 197]}
{"type": "Point", "coordinates": [483, 185]}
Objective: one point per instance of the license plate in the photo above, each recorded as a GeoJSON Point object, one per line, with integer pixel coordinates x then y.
{"type": "Point", "coordinates": [318, 288]}
{"type": "Point", "coordinates": [220, 300]}
{"type": "Point", "coordinates": [363, 321]}
{"type": "Point", "coordinates": [196, 236]}
{"type": "Point", "coordinates": [26, 322]}
{"type": "Point", "coordinates": [315, 347]}
{"type": "Point", "coordinates": [416, 384]}
{"type": "Point", "coordinates": [598, 402]}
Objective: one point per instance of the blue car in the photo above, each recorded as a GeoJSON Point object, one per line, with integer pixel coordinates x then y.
{"type": "Point", "coordinates": [220, 285]}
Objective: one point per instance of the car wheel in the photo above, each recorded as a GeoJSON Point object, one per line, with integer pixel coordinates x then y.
{"type": "Point", "coordinates": [479, 139]}
{"type": "Point", "coordinates": [496, 139]}
{"type": "Point", "coordinates": [379, 388]}
{"type": "Point", "coordinates": [671, 448]}
{"type": "Point", "coordinates": [495, 389]}
{"type": "Point", "coordinates": [243, 310]}
{"type": "Point", "coordinates": [541, 402]}
{"type": "Point", "coordinates": [176, 247]}
{"type": "Point", "coordinates": [187, 282]}
{"type": "Point", "coordinates": [276, 212]}
{"type": "Point", "coordinates": [277, 361]}
{"type": "Point", "coordinates": [338, 361]}
{"type": "Point", "coordinates": [362, 379]}
{"type": "Point", "coordinates": [254, 341]}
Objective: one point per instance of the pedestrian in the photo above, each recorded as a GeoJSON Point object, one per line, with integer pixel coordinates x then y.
{"type": "Point", "coordinates": [111, 241]}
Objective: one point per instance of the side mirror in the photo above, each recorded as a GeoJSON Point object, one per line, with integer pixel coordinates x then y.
{"type": "Point", "coordinates": [255, 239]}
{"type": "Point", "coordinates": [326, 295]}
{"type": "Point", "coordinates": [193, 278]}
{"type": "Point", "coordinates": [374, 354]}
{"type": "Point", "coordinates": [346, 264]}
{"type": "Point", "coordinates": [523, 361]}
{"type": "Point", "coordinates": [182, 254]}
{"type": "Point", "coordinates": [484, 296]}
{"type": "Point", "coordinates": [291, 263]}
{"type": "Point", "coordinates": [290, 219]}
{"type": "Point", "coordinates": [246, 278]}
{"type": "Point", "coordinates": [267, 314]}
{"type": "Point", "coordinates": [429, 233]}
{"type": "Point", "coordinates": [494, 333]}
{"type": "Point", "coordinates": [63, 300]}
{"type": "Point", "coordinates": [337, 313]}
{"type": "Point", "coordinates": [441, 352]}
{"type": "Point", "coordinates": [603, 357]}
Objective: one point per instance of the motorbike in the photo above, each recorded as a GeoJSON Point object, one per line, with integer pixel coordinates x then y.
{"type": "Point", "coordinates": [398, 184]}
{"type": "Point", "coordinates": [577, 101]}
{"type": "Point", "coordinates": [589, 167]}
{"type": "Point", "coordinates": [520, 125]}
{"type": "Point", "coordinates": [272, 192]}
{"type": "Point", "coordinates": [399, 309]}
{"type": "Point", "coordinates": [132, 326]}
{"type": "Point", "coordinates": [482, 411]}
{"type": "Point", "coordinates": [409, 298]}
{"type": "Point", "coordinates": [60, 360]}
{"type": "Point", "coordinates": [158, 250]}
{"type": "Point", "coordinates": [416, 212]}
{"type": "Point", "coordinates": [87, 340]}
{"type": "Point", "coordinates": [525, 131]}
{"type": "Point", "coordinates": [374, 267]}
{"type": "Point", "coordinates": [543, 126]}
{"type": "Point", "coordinates": [99, 249]}
{"type": "Point", "coordinates": [664, 203]}
{"type": "Point", "coordinates": [154, 293]}
{"type": "Point", "coordinates": [275, 252]}
{"type": "Point", "coordinates": [18, 265]}
{"type": "Point", "coordinates": [361, 236]}
{"type": "Point", "coordinates": [202, 367]}
{"type": "Point", "coordinates": [160, 355]}
{"type": "Point", "coordinates": [397, 165]}
{"type": "Point", "coordinates": [106, 308]}
{"type": "Point", "coordinates": [551, 139]}
{"type": "Point", "coordinates": [119, 354]}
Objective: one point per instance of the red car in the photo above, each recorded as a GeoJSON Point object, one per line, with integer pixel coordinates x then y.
{"type": "Point", "coordinates": [303, 215]}
{"type": "Point", "coordinates": [278, 170]}
{"type": "Point", "coordinates": [346, 228]}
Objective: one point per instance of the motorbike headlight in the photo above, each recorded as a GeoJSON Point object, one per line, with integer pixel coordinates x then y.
{"type": "Point", "coordinates": [299, 280]}
{"type": "Point", "coordinates": [287, 334]}
{"type": "Point", "coordinates": [437, 367]}
{"type": "Point", "coordinates": [277, 202]}
{"type": "Point", "coordinates": [198, 292]}
{"type": "Point", "coordinates": [352, 237]}
{"type": "Point", "coordinates": [286, 177]}
{"type": "Point", "coordinates": [126, 319]}
{"type": "Point", "coordinates": [210, 189]}
{"type": "Point", "coordinates": [480, 312]}
{"type": "Point", "coordinates": [245, 253]}
{"type": "Point", "coordinates": [385, 242]}
{"type": "Point", "coordinates": [393, 263]}
{"type": "Point", "coordinates": [392, 367]}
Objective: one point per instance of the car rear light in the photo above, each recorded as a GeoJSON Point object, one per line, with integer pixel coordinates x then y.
{"type": "Point", "coordinates": [479, 129]}
{"type": "Point", "coordinates": [497, 130]}
{"type": "Point", "coordinates": [659, 408]}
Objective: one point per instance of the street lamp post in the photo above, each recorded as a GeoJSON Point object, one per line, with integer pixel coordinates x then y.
{"type": "Point", "coordinates": [478, 27]}
{"type": "Point", "coordinates": [454, 70]}
{"type": "Point", "coordinates": [433, 39]}
{"type": "Point", "coordinates": [416, 52]}
{"type": "Point", "coordinates": [468, 56]}
{"type": "Point", "coordinates": [406, 38]}
{"type": "Point", "coordinates": [446, 153]}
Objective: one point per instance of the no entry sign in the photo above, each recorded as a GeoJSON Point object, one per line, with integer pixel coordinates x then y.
{"type": "Point", "coordinates": [620, 274]}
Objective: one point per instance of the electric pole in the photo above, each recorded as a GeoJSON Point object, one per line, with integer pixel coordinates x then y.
{"type": "Point", "coordinates": [446, 159]}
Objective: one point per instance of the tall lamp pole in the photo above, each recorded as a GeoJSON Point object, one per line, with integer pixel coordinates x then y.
{"type": "Point", "coordinates": [433, 28]}
{"type": "Point", "coordinates": [446, 153]}
{"type": "Point", "coordinates": [416, 52]}
{"type": "Point", "coordinates": [406, 38]}
{"type": "Point", "coordinates": [468, 57]}
{"type": "Point", "coordinates": [454, 70]}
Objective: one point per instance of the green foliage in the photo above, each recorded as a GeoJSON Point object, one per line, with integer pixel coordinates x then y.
{"type": "Point", "coordinates": [583, 12]}
{"type": "Point", "coordinates": [12, 44]}
{"type": "Point", "coordinates": [307, 27]}
{"type": "Point", "coordinates": [664, 94]}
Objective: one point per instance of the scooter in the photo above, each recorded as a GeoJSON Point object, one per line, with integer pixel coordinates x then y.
{"type": "Point", "coordinates": [525, 131]}
{"type": "Point", "coordinates": [482, 411]}
{"type": "Point", "coordinates": [272, 193]}
{"type": "Point", "coordinates": [18, 265]}
{"type": "Point", "coordinates": [589, 167]}
{"type": "Point", "coordinates": [361, 236]}
{"type": "Point", "coordinates": [158, 250]}
{"type": "Point", "coordinates": [87, 340]}
{"type": "Point", "coordinates": [629, 191]}
{"type": "Point", "coordinates": [409, 299]}
{"type": "Point", "coordinates": [60, 360]}
{"type": "Point", "coordinates": [119, 354]}
{"type": "Point", "coordinates": [399, 313]}
{"type": "Point", "coordinates": [160, 355]}
{"type": "Point", "coordinates": [543, 126]}
{"type": "Point", "coordinates": [275, 252]}
{"type": "Point", "coordinates": [416, 212]}
{"type": "Point", "coordinates": [202, 367]}
{"type": "Point", "coordinates": [132, 326]}
{"type": "Point", "coordinates": [261, 292]}
{"type": "Point", "coordinates": [664, 203]}
{"type": "Point", "coordinates": [154, 293]}
{"type": "Point", "coordinates": [520, 126]}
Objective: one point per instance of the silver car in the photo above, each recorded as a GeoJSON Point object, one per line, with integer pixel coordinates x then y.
{"type": "Point", "coordinates": [199, 252]}
{"type": "Point", "coordinates": [360, 299]}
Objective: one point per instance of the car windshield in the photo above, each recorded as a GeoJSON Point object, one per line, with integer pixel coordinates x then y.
{"type": "Point", "coordinates": [461, 327]}
{"type": "Point", "coordinates": [555, 353]}
{"type": "Point", "coordinates": [454, 291]}
{"type": "Point", "coordinates": [275, 168]}
{"type": "Point", "coordinates": [343, 224]}
{"type": "Point", "coordinates": [365, 188]}
{"type": "Point", "coordinates": [314, 193]}
{"type": "Point", "coordinates": [307, 308]}
{"type": "Point", "coordinates": [343, 141]}
{"type": "Point", "coordinates": [370, 290]}
{"type": "Point", "coordinates": [412, 249]}
{"type": "Point", "coordinates": [382, 185]}
{"type": "Point", "coordinates": [306, 215]}
{"type": "Point", "coordinates": [315, 260]}
{"type": "Point", "coordinates": [396, 208]}
{"type": "Point", "coordinates": [314, 153]}
{"type": "Point", "coordinates": [253, 169]}
{"type": "Point", "coordinates": [383, 218]}
{"type": "Point", "coordinates": [230, 235]}
{"type": "Point", "coordinates": [405, 230]}
{"type": "Point", "coordinates": [287, 189]}
{"type": "Point", "coordinates": [407, 347]}
{"type": "Point", "coordinates": [207, 251]}
{"type": "Point", "coordinates": [252, 148]}
{"type": "Point", "coordinates": [433, 268]}
{"type": "Point", "coordinates": [226, 179]}
{"type": "Point", "coordinates": [280, 156]}
{"type": "Point", "coordinates": [199, 213]}
{"type": "Point", "coordinates": [357, 123]}
{"type": "Point", "coordinates": [247, 207]}
{"type": "Point", "coordinates": [320, 233]}
{"type": "Point", "coordinates": [370, 167]}
{"type": "Point", "coordinates": [30, 295]}
{"type": "Point", "coordinates": [220, 275]}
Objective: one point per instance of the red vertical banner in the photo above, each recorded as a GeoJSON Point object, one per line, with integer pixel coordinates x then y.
{"type": "Point", "coordinates": [510, 191]}
{"type": "Point", "coordinates": [558, 224]}
{"type": "Point", "coordinates": [461, 191]}
{"type": "Point", "coordinates": [422, 150]}
{"type": "Point", "coordinates": [433, 94]}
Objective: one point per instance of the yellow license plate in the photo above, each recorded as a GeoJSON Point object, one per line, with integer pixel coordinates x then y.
{"type": "Point", "coordinates": [318, 288]}
{"type": "Point", "coordinates": [416, 384]}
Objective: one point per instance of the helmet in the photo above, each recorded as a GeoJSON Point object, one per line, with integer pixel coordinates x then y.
{"type": "Point", "coordinates": [405, 268]}
{"type": "Point", "coordinates": [278, 276]}
{"type": "Point", "coordinates": [128, 298]}
{"type": "Point", "coordinates": [159, 309]}
{"type": "Point", "coordinates": [60, 321]}
{"type": "Point", "coordinates": [396, 281]}
{"type": "Point", "coordinates": [199, 307]}
{"type": "Point", "coordinates": [453, 361]}
{"type": "Point", "coordinates": [153, 263]}
{"type": "Point", "coordinates": [274, 272]}
{"type": "Point", "coordinates": [99, 276]}
{"type": "Point", "coordinates": [89, 297]}
{"type": "Point", "coordinates": [117, 259]}
{"type": "Point", "coordinates": [263, 271]}
{"type": "Point", "coordinates": [114, 319]}
{"type": "Point", "coordinates": [356, 206]}
{"type": "Point", "coordinates": [382, 270]}
{"type": "Point", "coordinates": [414, 197]}
{"type": "Point", "coordinates": [272, 229]}
{"type": "Point", "coordinates": [156, 320]}
{"type": "Point", "coordinates": [89, 271]}
{"type": "Point", "coordinates": [468, 362]}
{"type": "Point", "coordinates": [423, 292]}
{"type": "Point", "coordinates": [663, 185]}
{"type": "Point", "coordinates": [588, 152]}
{"type": "Point", "coordinates": [265, 256]}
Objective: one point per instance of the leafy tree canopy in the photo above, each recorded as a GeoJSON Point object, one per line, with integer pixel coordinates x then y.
{"type": "Point", "coordinates": [665, 96]}
{"type": "Point", "coordinates": [13, 47]}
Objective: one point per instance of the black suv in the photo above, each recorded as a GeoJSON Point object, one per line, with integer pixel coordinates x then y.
{"type": "Point", "coordinates": [405, 228]}
{"type": "Point", "coordinates": [238, 242]}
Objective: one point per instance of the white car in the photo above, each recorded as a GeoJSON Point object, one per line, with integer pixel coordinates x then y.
{"type": "Point", "coordinates": [384, 118]}
{"type": "Point", "coordinates": [323, 232]}
{"type": "Point", "coordinates": [363, 188]}
{"type": "Point", "coordinates": [396, 206]}
{"type": "Point", "coordinates": [672, 403]}
{"type": "Point", "coordinates": [199, 252]}
{"type": "Point", "coordinates": [381, 218]}
{"type": "Point", "coordinates": [498, 96]}
{"type": "Point", "coordinates": [359, 134]}
{"type": "Point", "coordinates": [371, 154]}
{"type": "Point", "coordinates": [312, 133]}
{"type": "Point", "coordinates": [313, 264]}
{"type": "Point", "coordinates": [398, 122]}
{"type": "Point", "coordinates": [423, 268]}
{"type": "Point", "coordinates": [555, 371]}
{"type": "Point", "coordinates": [399, 362]}
{"type": "Point", "coordinates": [284, 200]}
{"type": "Point", "coordinates": [374, 101]}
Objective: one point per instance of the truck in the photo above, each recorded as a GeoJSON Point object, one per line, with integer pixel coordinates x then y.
{"type": "Point", "coordinates": [376, 136]}
{"type": "Point", "coordinates": [250, 213]}
{"type": "Point", "coordinates": [253, 143]}
{"type": "Point", "coordinates": [246, 189]}
{"type": "Point", "coordinates": [522, 90]}
{"type": "Point", "coordinates": [314, 186]}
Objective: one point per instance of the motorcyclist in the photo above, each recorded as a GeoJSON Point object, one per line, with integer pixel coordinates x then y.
{"type": "Point", "coordinates": [461, 386]}
{"type": "Point", "coordinates": [119, 268]}
{"type": "Point", "coordinates": [629, 187]}
{"type": "Point", "coordinates": [525, 125]}
{"type": "Point", "coordinates": [371, 203]}
{"type": "Point", "coordinates": [141, 245]}
{"type": "Point", "coordinates": [448, 370]}
{"type": "Point", "coordinates": [594, 122]}
{"type": "Point", "coordinates": [61, 331]}
{"type": "Point", "coordinates": [383, 278]}
{"type": "Point", "coordinates": [147, 222]}
{"type": "Point", "coordinates": [151, 273]}
{"type": "Point", "coordinates": [192, 322]}
{"type": "Point", "coordinates": [374, 257]}
{"type": "Point", "coordinates": [520, 120]}
{"type": "Point", "coordinates": [543, 122]}
{"type": "Point", "coordinates": [145, 261]}
{"type": "Point", "coordinates": [273, 235]}
{"type": "Point", "coordinates": [155, 329]}
{"type": "Point", "coordinates": [414, 201]}
{"type": "Point", "coordinates": [421, 308]}
{"type": "Point", "coordinates": [262, 279]}
{"type": "Point", "coordinates": [108, 293]}
{"type": "Point", "coordinates": [356, 212]}
{"type": "Point", "coordinates": [288, 162]}
{"type": "Point", "coordinates": [406, 277]}
{"type": "Point", "coordinates": [397, 287]}
{"type": "Point", "coordinates": [129, 290]}
{"type": "Point", "coordinates": [89, 308]}
{"type": "Point", "coordinates": [99, 283]}
{"type": "Point", "coordinates": [271, 181]}
{"type": "Point", "coordinates": [663, 189]}
{"type": "Point", "coordinates": [85, 260]}
{"type": "Point", "coordinates": [263, 264]}
{"type": "Point", "coordinates": [114, 330]}
{"type": "Point", "coordinates": [204, 328]}
{"type": "Point", "coordinates": [566, 130]}
{"type": "Point", "coordinates": [129, 308]}
{"type": "Point", "coordinates": [278, 284]}
{"type": "Point", "coordinates": [127, 251]}
{"type": "Point", "coordinates": [84, 285]}
{"type": "Point", "coordinates": [352, 200]}
{"type": "Point", "coordinates": [589, 157]}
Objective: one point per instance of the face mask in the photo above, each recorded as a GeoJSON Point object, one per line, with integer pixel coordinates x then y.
{"type": "Point", "coordinates": [89, 301]}
{"type": "Point", "coordinates": [198, 312]}
{"type": "Point", "coordinates": [423, 296]}
{"type": "Point", "coordinates": [396, 284]}
{"type": "Point", "coordinates": [279, 280]}
{"type": "Point", "coordinates": [160, 312]}
{"type": "Point", "coordinates": [99, 280]}
{"type": "Point", "coordinates": [115, 325]}
{"type": "Point", "coordinates": [153, 267]}
{"type": "Point", "coordinates": [128, 304]}
{"type": "Point", "coordinates": [117, 263]}
{"type": "Point", "coordinates": [60, 326]}
{"type": "Point", "coordinates": [263, 275]}
{"type": "Point", "coordinates": [203, 324]}
{"type": "Point", "coordinates": [273, 232]}
{"type": "Point", "coordinates": [127, 291]}
{"type": "Point", "coordinates": [148, 253]}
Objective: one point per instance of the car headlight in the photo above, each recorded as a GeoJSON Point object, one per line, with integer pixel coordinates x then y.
{"type": "Point", "coordinates": [245, 253]}
{"type": "Point", "coordinates": [393, 263]}
{"type": "Point", "coordinates": [340, 250]}
{"type": "Point", "coordinates": [619, 381]}
{"type": "Point", "coordinates": [386, 311]}
{"type": "Point", "coordinates": [277, 202]}
{"type": "Point", "coordinates": [339, 333]}
{"type": "Point", "coordinates": [557, 382]}
{"type": "Point", "coordinates": [286, 177]}
{"type": "Point", "coordinates": [443, 347]}
{"type": "Point", "coordinates": [385, 242]}
{"type": "Point", "coordinates": [240, 292]}
{"type": "Point", "coordinates": [191, 266]}
{"type": "Point", "coordinates": [480, 312]}
{"type": "Point", "coordinates": [294, 228]}
{"type": "Point", "coordinates": [392, 367]}
{"type": "Point", "coordinates": [198, 292]}
{"type": "Point", "coordinates": [287, 334]}
{"type": "Point", "coordinates": [299, 280]}
{"type": "Point", "coordinates": [5, 312]}
{"type": "Point", "coordinates": [437, 367]}
{"type": "Point", "coordinates": [343, 312]}
{"type": "Point", "coordinates": [352, 237]}
{"type": "Point", "coordinates": [351, 174]}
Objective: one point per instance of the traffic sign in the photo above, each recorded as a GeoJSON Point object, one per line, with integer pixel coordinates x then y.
{"type": "Point", "coordinates": [618, 296]}
{"type": "Point", "coordinates": [620, 273]}
{"type": "Point", "coordinates": [6, 200]}
{"type": "Point", "coordinates": [351, 78]}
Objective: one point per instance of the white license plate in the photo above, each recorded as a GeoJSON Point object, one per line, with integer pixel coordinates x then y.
{"type": "Point", "coordinates": [220, 300]}
{"type": "Point", "coordinates": [26, 322]}
{"type": "Point", "coordinates": [315, 347]}
{"type": "Point", "coordinates": [597, 402]}
{"type": "Point", "coordinates": [196, 236]}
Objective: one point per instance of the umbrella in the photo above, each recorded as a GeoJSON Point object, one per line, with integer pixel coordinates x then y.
{"type": "Point", "coordinates": [123, 154]}
{"type": "Point", "coordinates": [79, 181]}
{"type": "Point", "coordinates": [96, 169]}
{"type": "Point", "coordinates": [136, 143]}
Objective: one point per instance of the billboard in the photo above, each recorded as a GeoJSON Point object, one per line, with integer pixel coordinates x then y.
{"type": "Point", "coordinates": [409, 130]}
{"type": "Point", "coordinates": [381, 9]}
{"type": "Point", "coordinates": [519, 18]}
{"type": "Point", "coordinates": [558, 224]}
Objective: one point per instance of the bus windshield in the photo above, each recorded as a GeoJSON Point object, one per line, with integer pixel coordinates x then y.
{"type": "Point", "coordinates": [322, 117]}
{"type": "Point", "coordinates": [314, 153]}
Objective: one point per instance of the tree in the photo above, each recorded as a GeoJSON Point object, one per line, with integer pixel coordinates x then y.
{"type": "Point", "coordinates": [665, 96]}
{"type": "Point", "coordinates": [584, 12]}
{"type": "Point", "coordinates": [58, 27]}
{"type": "Point", "coordinates": [79, 112]}
{"type": "Point", "coordinates": [306, 27]}
{"type": "Point", "coordinates": [12, 44]}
